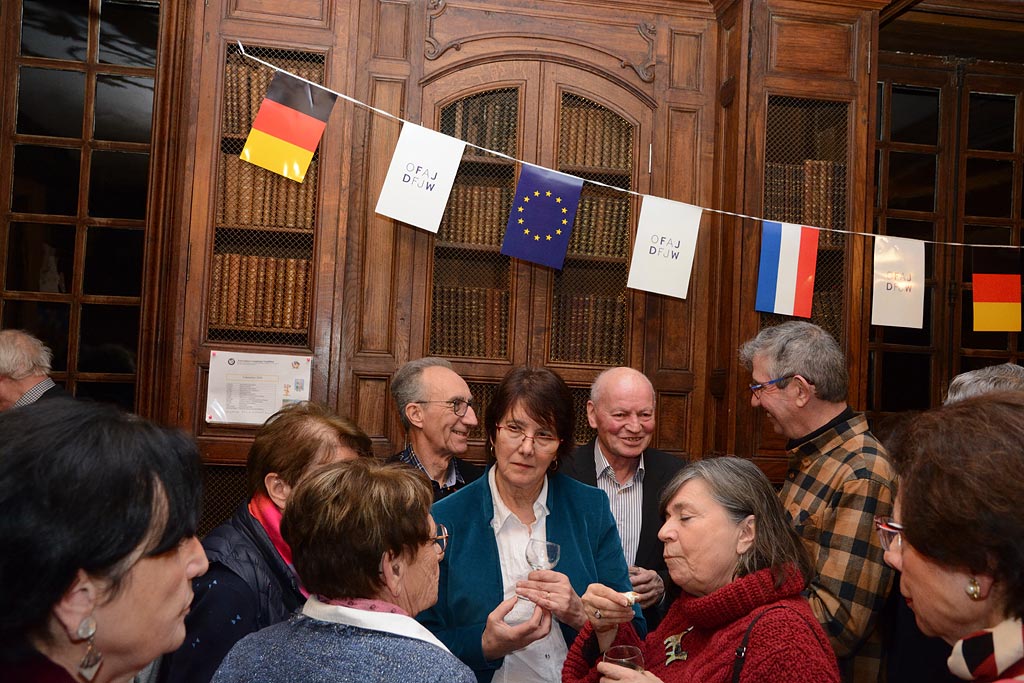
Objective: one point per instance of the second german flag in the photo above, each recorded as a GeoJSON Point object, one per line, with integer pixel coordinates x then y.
{"type": "Point", "coordinates": [288, 126]}
{"type": "Point", "coordinates": [997, 292]}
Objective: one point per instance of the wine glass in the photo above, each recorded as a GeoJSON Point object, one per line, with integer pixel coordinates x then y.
{"type": "Point", "coordinates": [628, 656]}
{"type": "Point", "coordinates": [542, 554]}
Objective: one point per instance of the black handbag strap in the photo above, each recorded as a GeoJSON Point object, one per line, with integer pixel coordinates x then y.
{"type": "Point", "coordinates": [741, 651]}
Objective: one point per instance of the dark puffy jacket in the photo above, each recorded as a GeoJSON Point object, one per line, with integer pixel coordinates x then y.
{"type": "Point", "coordinates": [248, 587]}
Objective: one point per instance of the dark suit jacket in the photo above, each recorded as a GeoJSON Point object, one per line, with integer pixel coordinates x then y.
{"type": "Point", "coordinates": [54, 392]}
{"type": "Point", "coordinates": [659, 468]}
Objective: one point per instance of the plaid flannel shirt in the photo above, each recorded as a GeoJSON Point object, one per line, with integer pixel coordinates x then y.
{"type": "Point", "coordinates": [837, 482]}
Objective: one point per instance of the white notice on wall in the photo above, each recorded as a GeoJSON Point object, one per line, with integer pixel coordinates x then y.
{"type": "Point", "coordinates": [247, 388]}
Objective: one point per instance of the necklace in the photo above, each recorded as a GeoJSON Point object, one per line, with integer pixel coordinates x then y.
{"type": "Point", "coordinates": [674, 651]}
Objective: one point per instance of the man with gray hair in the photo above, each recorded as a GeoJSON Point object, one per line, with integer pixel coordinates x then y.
{"type": "Point", "coordinates": [1002, 377]}
{"type": "Point", "coordinates": [619, 462]}
{"type": "Point", "coordinates": [839, 479]}
{"type": "Point", "coordinates": [25, 370]}
{"type": "Point", "coordinates": [438, 413]}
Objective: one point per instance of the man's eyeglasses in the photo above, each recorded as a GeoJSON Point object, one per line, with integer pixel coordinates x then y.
{"type": "Point", "coordinates": [459, 406]}
{"type": "Point", "coordinates": [542, 441]}
{"type": "Point", "coordinates": [441, 537]}
{"type": "Point", "coordinates": [756, 389]}
{"type": "Point", "coordinates": [890, 533]}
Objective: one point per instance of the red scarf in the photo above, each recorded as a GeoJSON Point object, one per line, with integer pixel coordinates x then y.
{"type": "Point", "coordinates": [269, 517]}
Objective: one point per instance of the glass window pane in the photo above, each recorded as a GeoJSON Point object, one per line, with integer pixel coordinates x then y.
{"type": "Point", "coordinates": [915, 230]}
{"type": "Point", "coordinates": [906, 381]}
{"type": "Point", "coordinates": [915, 115]}
{"type": "Point", "coordinates": [113, 262]}
{"type": "Point", "coordinates": [45, 180]}
{"type": "Point", "coordinates": [983, 234]}
{"type": "Point", "coordinates": [49, 322]}
{"type": "Point", "coordinates": [121, 394]}
{"type": "Point", "coordinates": [50, 102]}
{"type": "Point", "coordinates": [124, 108]}
{"type": "Point", "coordinates": [969, 339]}
{"type": "Point", "coordinates": [912, 181]}
{"type": "Point", "coordinates": [40, 258]}
{"type": "Point", "coordinates": [117, 184]}
{"type": "Point", "coordinates": [128, 32]}
{"type": "Point", "coordinates": [109, 338]}
{"type": "Point", "coordinates": [55, 28]}
{"type": "Point", "coordinates": [989, 187]}
{"type": "Point", "coordinates": [990, 122]}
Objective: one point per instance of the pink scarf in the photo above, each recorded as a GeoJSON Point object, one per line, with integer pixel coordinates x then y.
{"type": "Point", "coordinates": [269, 517]}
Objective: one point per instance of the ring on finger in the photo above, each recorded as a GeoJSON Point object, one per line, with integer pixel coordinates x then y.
{"type": "Point", "coordinates": [597, 614]}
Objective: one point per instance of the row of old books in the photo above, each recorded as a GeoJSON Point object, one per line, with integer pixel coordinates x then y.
{"type": "Point", "coordinates": [489, 122]}
{"type": "Point", "coordinates": [245, 86]}
{"type": "Point", "coordinates": [469, 321]}
{"type": "Point", "coordinates": [595, 137]}
{"type": "Point", "coordinates": [809, 193]}
{"type": "Point", "coordinates": [259, 291]}
{"type": "Point", "coordinates": [251, 196]}
{"type": "Point", "coordinates": [476, 214]}
{"type": "Point", "coordinates": [602, 227]}
{"type": "Point", "coordinates": [588, 328]}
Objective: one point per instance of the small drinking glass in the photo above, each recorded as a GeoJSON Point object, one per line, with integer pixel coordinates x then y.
{"type": "Point", "coordinates": [541, 554]}
{"type": "Point", "coordinates": [628, 656]}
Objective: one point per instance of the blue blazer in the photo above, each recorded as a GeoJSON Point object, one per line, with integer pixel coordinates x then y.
{"type": "Point", "coordinates": [470, 587]}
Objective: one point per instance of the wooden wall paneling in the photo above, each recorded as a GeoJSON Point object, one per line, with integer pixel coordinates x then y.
{"type": "Point", "coordinates": [371, 410]}
{"type": "Point", "coordinates": [728, 232]}
{"type": "Point", "coordinates": [294, 13]}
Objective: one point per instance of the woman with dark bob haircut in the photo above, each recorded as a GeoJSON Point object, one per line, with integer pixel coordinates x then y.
{"type": "Point", "coordinates": [484, 619]}
{"type": "Point", "coordinates": [957, 532]}
{"type": "Point", "coordinates": [367, 549]}
{"type": "Point", "coordinates": [741, 568]}
{"type": "Point", "coordinates": [97, 541]}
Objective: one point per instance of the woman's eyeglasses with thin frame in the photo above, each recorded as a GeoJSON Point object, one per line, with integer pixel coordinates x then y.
{"type": "Point", "coordinates": [441, 537]}
{"type": "Point", "coordinates": [516, 435]}
{"type": "Point", "coordinates": [890, 533]}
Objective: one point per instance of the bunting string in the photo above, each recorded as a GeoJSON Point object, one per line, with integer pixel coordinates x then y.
{"type": "Point", "coordinates": [502, 155]}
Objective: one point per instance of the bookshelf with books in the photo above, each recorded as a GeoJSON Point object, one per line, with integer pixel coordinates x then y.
{"type": "Point", "coordinates": [261, 274]}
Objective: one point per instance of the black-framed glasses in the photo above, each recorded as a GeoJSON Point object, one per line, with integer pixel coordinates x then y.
{"type": "Point", "coordinates": [542, 441]}
{"type": "Point", "coordinates": [890, 533]}
{"type": "Point", "coordinates": [459, 406]}
{"type": "Point", "coordinates": [756, 389]}
{"type": "Point", "coordinates": [441, 537]}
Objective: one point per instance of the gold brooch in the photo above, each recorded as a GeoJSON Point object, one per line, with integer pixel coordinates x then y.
{"type": "Point", "coordinates": [674, 651]}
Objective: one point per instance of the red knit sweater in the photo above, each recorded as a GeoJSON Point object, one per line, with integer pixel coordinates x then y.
{"type": "Point", "coordinates": [785, 646]}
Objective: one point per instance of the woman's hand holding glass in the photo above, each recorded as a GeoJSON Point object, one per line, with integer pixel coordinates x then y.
{"type": "Point", "coordinates": [500, 638]}
{"type": "Point", "coordinates": [552, 591]}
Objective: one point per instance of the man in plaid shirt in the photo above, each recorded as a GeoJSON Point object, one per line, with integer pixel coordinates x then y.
{"type": "Point", "coordinates": [839, 479]}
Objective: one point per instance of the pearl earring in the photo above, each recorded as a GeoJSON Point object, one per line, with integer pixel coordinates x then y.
{"type": "Point", "coordinates": [973, 590]}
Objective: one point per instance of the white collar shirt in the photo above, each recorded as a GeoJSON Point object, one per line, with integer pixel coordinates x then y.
{"type": "Point", "coordinates": [626, 500]}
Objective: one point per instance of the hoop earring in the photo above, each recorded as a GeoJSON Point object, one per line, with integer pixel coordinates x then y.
{"type": "Point", "coordinates": [90, 663]}
{"type": "Point", "coordinates": [973, 590]}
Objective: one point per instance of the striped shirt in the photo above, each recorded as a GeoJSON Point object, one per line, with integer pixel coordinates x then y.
{"type": "Point", "coordinates": [33, 394]}
{"type": "Point", "coordinates": [626, 501]}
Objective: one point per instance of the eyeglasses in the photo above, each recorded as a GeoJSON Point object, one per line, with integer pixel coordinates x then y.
{"type": "Point", "coordinates": [756, 389]}
{"type": "Point", "coordinates": [459, 406]}
{"type": "Point", "coordinates": [890, 533]}
{"type": "Point", "coordinates": [542, 441]}
{"type": "Point", "coordinates": [441, 537]}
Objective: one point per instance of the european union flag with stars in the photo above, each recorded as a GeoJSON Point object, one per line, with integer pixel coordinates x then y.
{"type": "Point", "coordinates": [543, 213]}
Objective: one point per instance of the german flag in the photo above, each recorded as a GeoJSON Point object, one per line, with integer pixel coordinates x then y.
{"type": "Point", "coordinates": [996, 281]}
{"type": "Point", "coordinates": [288, 126]}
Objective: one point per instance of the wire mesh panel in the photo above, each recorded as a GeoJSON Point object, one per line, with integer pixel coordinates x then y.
{"type": "Point", "coordinates": [261, 275]}
{"type": "Point", "coordinates": [224, 489]}
{"type": "Point", "coordinates": [584, 432]}
{"type": "Point", "coordinates": [805, 182]}
{"type": "Point", "coordinates": [471, 287]}
{"type": "Point", "coordinates": [588, 308]}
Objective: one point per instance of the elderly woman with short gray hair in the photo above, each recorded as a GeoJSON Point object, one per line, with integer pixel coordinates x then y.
{"type": "Point", "coordinates": [741, 615]}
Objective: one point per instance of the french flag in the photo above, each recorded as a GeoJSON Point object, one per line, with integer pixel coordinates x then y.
{"type": "Point", "coordinates": [785, 279]}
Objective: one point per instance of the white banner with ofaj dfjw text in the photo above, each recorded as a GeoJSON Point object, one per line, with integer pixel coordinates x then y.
{"type": "Point", "coordinates": [666, 240]}
{"type": "Point", "coordinates": [898, 292]}
{"type": "Point", "coordinates": [420, 177]}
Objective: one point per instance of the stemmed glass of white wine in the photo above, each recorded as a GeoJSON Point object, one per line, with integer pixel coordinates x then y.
{"type": "Point", "coordinates": [628, 656]}
{"type": "Point", "coordinates": [542, 554]}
